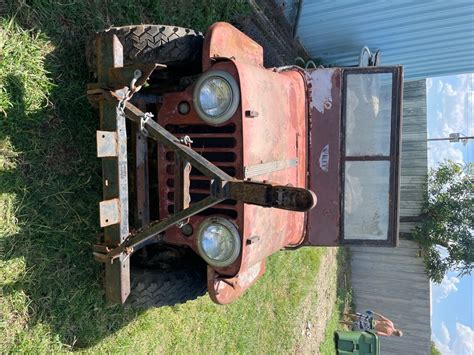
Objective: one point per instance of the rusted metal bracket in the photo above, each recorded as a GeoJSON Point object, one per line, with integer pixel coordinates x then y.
{"type": "Point", "coordinates": [107, 144]}
{"type": "Point", "coordinates": [223, 186]}
{"type": "Point", "coordinates": [141, 177]}
{"type": "Point", "coordinates": [266, 195]}
{"type": "Point", "coordinates": [157, 227]}
{"type": "Point", "coordinates": [123, 76]}
{"type": "Point", "coordinates": [132, 77]}
{"type": "Point", "coordinates": [109, 212]}
{"type": "Point", "coordinates": [112, 148]}
{"type": "Point", "coordinates": [159, 133]}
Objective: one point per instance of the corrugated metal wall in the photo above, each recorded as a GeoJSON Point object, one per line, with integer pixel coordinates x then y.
{"type": "Point", "coordinates": [430, 38]}
{"type": "Point", "coordinates": [392, 281]}
{"type": "Point", "coordinates": [414, 161]}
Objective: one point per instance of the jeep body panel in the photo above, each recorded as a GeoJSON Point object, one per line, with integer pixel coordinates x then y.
{"type": "Point", "coordinates": [224, 41]}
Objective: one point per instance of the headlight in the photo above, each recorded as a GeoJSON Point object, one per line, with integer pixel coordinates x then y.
{"type": "Point", "coordinates": [216, 96]}
{"type": "Point", "coordinates": [218, 241]}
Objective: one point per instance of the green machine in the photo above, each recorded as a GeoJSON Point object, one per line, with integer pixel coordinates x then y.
{"type": "Point", "coordinates": [357, 343]}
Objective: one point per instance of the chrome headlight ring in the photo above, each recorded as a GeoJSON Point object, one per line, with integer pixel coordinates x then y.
{"type": "Point", "coordinates": [216, 97]}
{"type": "Point", "coordinates": [218, 241]}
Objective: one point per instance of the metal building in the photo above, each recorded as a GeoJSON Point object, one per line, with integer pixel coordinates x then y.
{"type": "Point", "coordinates": [430, 38]}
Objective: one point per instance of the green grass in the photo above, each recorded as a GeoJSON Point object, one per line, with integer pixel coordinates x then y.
{"type": "Point", "coordinates": [51, 289]}
{"type": "Point", "coordinates": [343, 303]}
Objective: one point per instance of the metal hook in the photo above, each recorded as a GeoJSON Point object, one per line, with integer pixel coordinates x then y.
{"type": "Point", "coordinates": [143, 121]}
{"type": "Point", "coordinates": [186, 140]}
{"type": "Point", "coordinates": [137, 74]}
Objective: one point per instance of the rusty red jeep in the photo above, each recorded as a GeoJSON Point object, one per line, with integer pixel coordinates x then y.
{"type": "Point", "coordinates": [212, 162]}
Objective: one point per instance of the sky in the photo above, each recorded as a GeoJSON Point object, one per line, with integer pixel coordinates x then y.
{"type": "Point", "coordinates": [450, 110]}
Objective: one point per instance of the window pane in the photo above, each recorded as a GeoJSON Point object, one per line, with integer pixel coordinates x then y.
{"type": "Point", "coordinates": [366, 200]}
{"type": "Point", "coordinates": [368, 114]}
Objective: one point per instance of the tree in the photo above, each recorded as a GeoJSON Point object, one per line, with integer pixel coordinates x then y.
{"type": "Point", "coordinates": [434, 350]}
{"type": "Point", "coordinates": [448, 220]}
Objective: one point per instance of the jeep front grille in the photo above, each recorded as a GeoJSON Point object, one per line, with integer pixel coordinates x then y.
{"type": "Point", "coordinates": [216, 144]}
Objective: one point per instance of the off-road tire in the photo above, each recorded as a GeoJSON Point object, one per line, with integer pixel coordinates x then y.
{"type": "Point", "coordinates": [170, 45]}
{"type": "Point", "coordinates": [158, 288]}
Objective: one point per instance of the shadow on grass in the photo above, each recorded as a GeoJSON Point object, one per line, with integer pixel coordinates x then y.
{"type": "Point", "coordinates": [56, 183]}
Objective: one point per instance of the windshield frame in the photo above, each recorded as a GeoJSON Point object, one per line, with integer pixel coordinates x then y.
{"type": "Point", "coordinates": [393, 157]}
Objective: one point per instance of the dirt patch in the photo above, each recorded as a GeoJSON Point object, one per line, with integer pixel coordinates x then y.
{"type": "Point", "coordinates": [316, 314]}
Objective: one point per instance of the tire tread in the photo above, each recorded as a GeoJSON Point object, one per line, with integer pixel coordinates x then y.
{"type": "Point", "coordinates": [162, 44]}
{"type": "Point", "coordinates": [157, 288]}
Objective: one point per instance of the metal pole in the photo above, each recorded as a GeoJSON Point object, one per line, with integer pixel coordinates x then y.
{"type": "Point", "coordinates": [451, 139]}
{"type": "Point", "coordinates": [297, 20]}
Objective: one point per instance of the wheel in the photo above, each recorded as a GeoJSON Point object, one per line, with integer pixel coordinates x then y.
{"type": "Point", "coordinates": [170, 45]}
{"type": "Point", "coordinates": [158, 288]}
{"type": "Point", "coordinates": [164, 280]}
